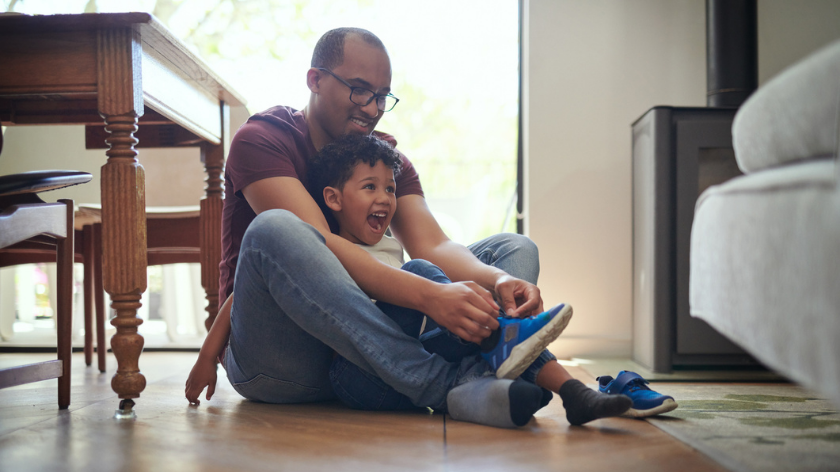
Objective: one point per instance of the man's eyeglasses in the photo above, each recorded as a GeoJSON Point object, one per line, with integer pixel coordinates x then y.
{"type": "Point", "coordinates": [362, 96]}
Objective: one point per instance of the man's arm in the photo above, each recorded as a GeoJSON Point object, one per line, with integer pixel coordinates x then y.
{"type": "Point", "coordinates": [465, 309]}
{"type": "Point", "coordinates": [418, 231]}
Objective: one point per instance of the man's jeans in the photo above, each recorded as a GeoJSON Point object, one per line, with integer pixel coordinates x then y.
{"type": "Point", "coordinates": [295, 304]}
{"type": "Point", "coordinates": [361, 390]}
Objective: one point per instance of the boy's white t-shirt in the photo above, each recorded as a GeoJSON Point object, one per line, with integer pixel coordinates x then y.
{"type": "Point", "coordinates": [387, 250]}
{"type": "Point", "coordinates": [390, 251]}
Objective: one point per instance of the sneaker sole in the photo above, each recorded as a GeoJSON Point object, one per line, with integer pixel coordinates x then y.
{"type": "Point", "coordinates": [526, 352]}
{"type": "Point", "coordinates": [665, 407]}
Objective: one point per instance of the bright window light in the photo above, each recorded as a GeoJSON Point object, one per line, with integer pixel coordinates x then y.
{"type": "Point", "coordinates": [455, 70]}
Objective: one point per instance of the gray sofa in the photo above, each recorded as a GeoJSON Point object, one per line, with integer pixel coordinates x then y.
{"type": "Point", "coordinates": [765, 247]}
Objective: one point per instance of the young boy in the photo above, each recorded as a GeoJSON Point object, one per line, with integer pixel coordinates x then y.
{"type": "Point", "coordinates": [353, 180]}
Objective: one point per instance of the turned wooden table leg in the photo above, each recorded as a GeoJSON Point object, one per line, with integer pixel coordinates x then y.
{"type": "Point", "coordinates": [211, 227]}
{"type": "Point", "coordinates": [124, 251]}
{"type": "Point", "coordinates": [120, 102]}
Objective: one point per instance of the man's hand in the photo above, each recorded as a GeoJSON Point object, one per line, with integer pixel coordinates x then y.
{"type": "Point", "coordinates": [465, 309]}
{"type": "Point", "coordinates": [203, 374]}
{"type": "Point", "coordinates": [519, 298]}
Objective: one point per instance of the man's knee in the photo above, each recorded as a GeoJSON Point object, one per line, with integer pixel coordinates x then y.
{"type": "Point", "coordinates": [279, 226]}
{"type": "Point", "coordinates": [513, 253]}
{"type": "Point", "coordinates": [512, 243]}
{"type": "Point", "coordinates": [524, 245]}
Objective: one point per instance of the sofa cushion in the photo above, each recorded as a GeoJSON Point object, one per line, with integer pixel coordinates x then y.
{"type": "Point", "coordinates": [765, 255]}
{"type": "Point", "coordinates": [794, 116]}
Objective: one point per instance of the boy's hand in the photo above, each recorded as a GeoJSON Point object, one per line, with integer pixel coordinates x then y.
{"type": "Point", "coordinates": [465, 309]}
{"type": "Point", "coordinates": [203, 374]}
{"type": "Point", "coordinates": [519, 298]}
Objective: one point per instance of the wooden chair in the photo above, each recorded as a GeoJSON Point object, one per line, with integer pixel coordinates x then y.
{"type": "Point", "coordinates": [32, 252]}
{"type": "Point", "coordinates": [172, 237]}
{"type": "Point", "coordinates": [24, 217]}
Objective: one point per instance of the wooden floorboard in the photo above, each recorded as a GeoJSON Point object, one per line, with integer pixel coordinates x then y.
{"type": "Point", "coordinates": [229, 433]}
{"type": "Point", "coordinates": [549, 442]}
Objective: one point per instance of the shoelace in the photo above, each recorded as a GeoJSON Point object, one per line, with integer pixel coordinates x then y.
{"type": "Point", "coordinates": [636, 384]}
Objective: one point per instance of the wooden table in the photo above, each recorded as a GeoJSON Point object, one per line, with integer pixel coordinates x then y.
{"type": "Point", "coordinates": [127, 72]}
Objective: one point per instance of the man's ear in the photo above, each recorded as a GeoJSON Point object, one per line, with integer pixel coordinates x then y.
{"type": "Point", "coordinates": [313, 80]}
{"type": "Point", "coordinates": [332, 197]}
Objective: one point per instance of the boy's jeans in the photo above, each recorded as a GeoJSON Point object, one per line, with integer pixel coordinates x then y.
{"type": "Point", "coordinates": [295, 303]}
{"type": "Point", "coordinates": [361, 390]}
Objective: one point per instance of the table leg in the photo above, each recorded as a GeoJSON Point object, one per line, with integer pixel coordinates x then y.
{"type": "Point", "coordinates": [124, 251]}
{"type": "Point", "coordinates": [211, 227]}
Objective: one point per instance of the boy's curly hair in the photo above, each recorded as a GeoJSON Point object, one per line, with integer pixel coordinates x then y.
{"type": "Point", "coordinates": [333, 165]}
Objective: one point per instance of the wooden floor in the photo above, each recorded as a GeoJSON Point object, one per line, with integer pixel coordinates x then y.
{"type": "Point", "coordinates": [229, 433]}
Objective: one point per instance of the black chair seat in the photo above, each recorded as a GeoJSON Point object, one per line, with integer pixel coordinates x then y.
{"type": "Point", "coordinates": [41, 181]}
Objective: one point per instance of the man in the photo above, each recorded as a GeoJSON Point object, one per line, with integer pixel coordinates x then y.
{"type": "Point", "coordinates": [303, 292]}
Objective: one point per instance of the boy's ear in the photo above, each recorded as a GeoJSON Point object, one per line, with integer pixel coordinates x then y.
{"type": "Point", "coordinates": [332, 197]}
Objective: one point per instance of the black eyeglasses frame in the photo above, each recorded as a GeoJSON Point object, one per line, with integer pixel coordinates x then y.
{"type": "Point", "coordinates": [353, 88]}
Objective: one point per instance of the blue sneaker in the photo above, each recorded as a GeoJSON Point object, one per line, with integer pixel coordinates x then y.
{"type": "Point", "coordinates": [646, 402]}
{"type": "Point", "coordinates": [522, 340]}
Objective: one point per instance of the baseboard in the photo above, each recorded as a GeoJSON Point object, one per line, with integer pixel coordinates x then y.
{"type": "Point", "coordinates": [567, 347]}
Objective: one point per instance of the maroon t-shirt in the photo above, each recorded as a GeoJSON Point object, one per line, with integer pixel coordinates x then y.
{"type": "Point", "coordinates": [274, 143]}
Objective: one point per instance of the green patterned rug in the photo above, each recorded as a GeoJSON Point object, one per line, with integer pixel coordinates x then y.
{"type": "Point", "coordinates": [755, 427]}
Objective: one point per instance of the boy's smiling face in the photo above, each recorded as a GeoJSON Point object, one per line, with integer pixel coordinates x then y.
{"type": "Point", "coordinates": [366, 204]}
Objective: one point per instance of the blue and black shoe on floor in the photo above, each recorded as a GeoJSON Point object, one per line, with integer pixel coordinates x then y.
{"type": "Point", "coordinates": [522, 340]}
{"type": "Point", "coordinates": [646, 402]}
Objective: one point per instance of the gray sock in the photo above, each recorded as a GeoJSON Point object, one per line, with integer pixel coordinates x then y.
{"type": "Point", "coordinates": [494, 402]}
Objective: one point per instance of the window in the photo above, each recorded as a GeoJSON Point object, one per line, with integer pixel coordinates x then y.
{"type": "Point", "coordinates": [455, 70]}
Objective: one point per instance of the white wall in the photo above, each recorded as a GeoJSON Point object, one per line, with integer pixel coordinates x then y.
{"type": "Point", "coordinates": [592, 68]}
{"type": "Point", "coordinates": [790, 30]}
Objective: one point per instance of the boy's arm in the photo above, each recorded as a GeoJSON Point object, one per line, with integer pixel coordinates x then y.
{"type": "Point", "coordinates": [203, 373]}
{"type": "Point", "coordinates": [465, 309]}
{"type": "Point", "coordinates": [418, 231]}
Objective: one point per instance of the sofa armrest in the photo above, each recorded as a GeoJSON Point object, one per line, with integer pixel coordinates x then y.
{"type": "Point", "coordinates": [795, 116]}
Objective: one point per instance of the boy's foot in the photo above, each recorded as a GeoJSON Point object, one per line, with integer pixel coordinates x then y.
{"type": "Point", "coordinates": [522, 340]}
{"type": "Point", "coordinates": [583, 404]}
{"type": "Point", "coordinates": [646, 402]}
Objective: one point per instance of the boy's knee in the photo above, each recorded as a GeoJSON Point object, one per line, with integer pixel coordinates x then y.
{"type": "Point", "coordinates": [427, 270]}
{"type": "Point", "coordinates": [422, 268]}
{"type": "Point", "coordinates": [416, 265]}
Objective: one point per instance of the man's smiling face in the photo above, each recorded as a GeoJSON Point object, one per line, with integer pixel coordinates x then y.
{"type": "Point", "coordinates": [364, 66]}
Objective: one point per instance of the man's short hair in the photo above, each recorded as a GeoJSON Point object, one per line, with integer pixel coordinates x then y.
{"type": "Point", "coordinates": [329, 52]}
